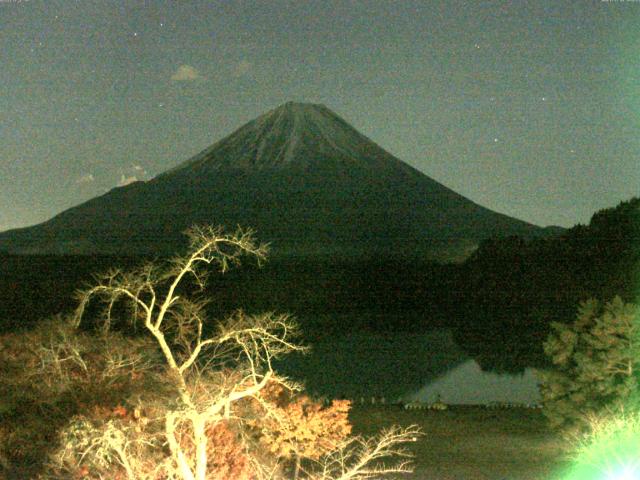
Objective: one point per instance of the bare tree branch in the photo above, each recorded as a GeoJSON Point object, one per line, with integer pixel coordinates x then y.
{"type": "Point", "coordinates": [359, 458]}
{"type": "Point", "coordinates": [212, 374]}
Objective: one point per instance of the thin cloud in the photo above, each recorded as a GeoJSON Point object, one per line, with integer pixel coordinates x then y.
{"type": "Point", "coordinates": [186, 73]}
{"type": "Point", "coordinates": [86, 178]}
{"type": "Point", "coordinates": [242, 68]}
{"type": "Point", "coordinates": [139, 170]}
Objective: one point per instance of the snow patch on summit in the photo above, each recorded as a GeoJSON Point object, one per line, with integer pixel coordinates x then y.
{"type": "Point", "coordinates": [291, 122]}
{"type": "Point", "coordinates": [291, 134]}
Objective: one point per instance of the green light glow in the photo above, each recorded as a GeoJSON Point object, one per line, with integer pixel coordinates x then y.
{"type": "Point", "coordinates": [611, 452]}
{"type": "Point", "coordinates": [628, 472]}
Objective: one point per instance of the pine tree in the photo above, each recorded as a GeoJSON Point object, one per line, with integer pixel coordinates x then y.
{"type": "Point", "coordinates": [596, 364]}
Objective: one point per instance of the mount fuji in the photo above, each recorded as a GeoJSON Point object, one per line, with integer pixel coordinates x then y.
{"type": "Point", "coordinates": [302, 177]}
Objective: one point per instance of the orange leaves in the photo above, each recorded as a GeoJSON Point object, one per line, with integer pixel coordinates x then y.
{"type": "Point", "coordinates": [226, 456]}
{"type": "Point", "coordinates": [120, 411]}
{"type": "Point", "coordinates": [300, 427]}
{"type": "Point", "coordinates": [226, 453]}
{"type": "Point", "coordinates": [105, 412]}
{"type": "Point", "coordinates": [83, 472]}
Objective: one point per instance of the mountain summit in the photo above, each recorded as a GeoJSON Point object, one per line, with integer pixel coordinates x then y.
{"type": "Point", "coordinates": [294, 135]}
{"type": "Point", "coordinates": [300, 175]}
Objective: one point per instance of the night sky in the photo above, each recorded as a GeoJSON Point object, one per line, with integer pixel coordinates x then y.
{"type": "Point", "coordinates": [530, 109]}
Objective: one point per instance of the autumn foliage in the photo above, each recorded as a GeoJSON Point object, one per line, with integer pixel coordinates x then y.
{"type": "Point", "coordinates": [295, 426]}
{"type": "Point", "coordinates": [226, 454]}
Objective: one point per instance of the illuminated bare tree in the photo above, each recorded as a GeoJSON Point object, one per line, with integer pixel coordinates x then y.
{"type": "Point", "coordinates": [212, 372]}
{"type": "Point", "coordinates": [177, 323]}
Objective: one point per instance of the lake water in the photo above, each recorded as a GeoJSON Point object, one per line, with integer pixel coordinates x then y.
{"type": "Point", "coordinates": [467, 384]}
{"type": "Point", "coordinates": [407, 367]}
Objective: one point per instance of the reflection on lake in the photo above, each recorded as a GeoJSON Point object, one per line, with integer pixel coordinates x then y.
{"type": "Point", "coordinates": [467, 384]}
{"type": "Point", "coordinates": [410, 367]}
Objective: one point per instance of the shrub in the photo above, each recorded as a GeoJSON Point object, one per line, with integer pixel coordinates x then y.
{"type": "Point", "coordinates": [294, 427]}
{"type": "Point", "coordinates": [53, 373]}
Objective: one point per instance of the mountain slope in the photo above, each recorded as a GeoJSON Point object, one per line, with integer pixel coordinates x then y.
{"type": "Point", "coordinates": [302, 177]}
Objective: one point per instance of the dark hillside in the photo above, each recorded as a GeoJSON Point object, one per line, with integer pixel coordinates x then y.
{"type": "Point", "coordinates": [515, 288]}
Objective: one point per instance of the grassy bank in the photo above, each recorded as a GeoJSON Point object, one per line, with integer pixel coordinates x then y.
{"type": "Point", "coordinates": [472, 443]}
